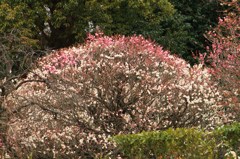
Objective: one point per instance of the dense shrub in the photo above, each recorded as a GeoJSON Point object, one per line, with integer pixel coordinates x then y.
{"type": "Point", "coordinates": [180, 143]}
{"type": "Point", "coordinates": [79, 97]}
{"type": "Point", "coordinates": [223, 55]}
{"type": "Point", "coordinates": [230, 134]}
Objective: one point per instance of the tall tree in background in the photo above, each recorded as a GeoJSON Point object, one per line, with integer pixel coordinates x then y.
{"type": "Point", "coordinates": [58, 24]}
{"type": "Point", "coordinates": [51, 24]}
{"type": "Point", "coordinates": [173, 33]}
{"type": "Point", "coordinates": [196, 18]}
{"type": "Point", "coordinates": [134, 17]}
{"type": "Point", "coordinates": [177, 25]}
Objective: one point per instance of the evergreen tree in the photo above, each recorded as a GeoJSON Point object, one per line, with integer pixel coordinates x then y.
{"type": "Point", "coordinates": [58, 24]}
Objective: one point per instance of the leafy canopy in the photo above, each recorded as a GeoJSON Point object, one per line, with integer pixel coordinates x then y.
{"type": "Point", "coordinates": [58, 24]}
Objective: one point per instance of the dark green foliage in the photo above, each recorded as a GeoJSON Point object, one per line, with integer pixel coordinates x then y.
{"type": "Point", "coordinates": [181, 142]}
{"type": "Point", "coordinates": [58, 24]}
{"type": "Point", "coordinates": [197, 17]}
{"type": "Point", "coordinates": [177, 25]}
{"type": "Point", "coordinates": [53, 24]}
{"type": "Point", "coordinates": [134, 17]}
{"type": "Point", "coordinates": [173, 33]}
{"type": "Point", "coordinates": [231, 136]}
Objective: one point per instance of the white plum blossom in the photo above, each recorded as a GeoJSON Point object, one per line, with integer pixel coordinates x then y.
{"type": "Point", "coordinates": [108, 86]}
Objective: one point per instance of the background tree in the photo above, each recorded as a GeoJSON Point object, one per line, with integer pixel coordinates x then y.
{"type": "Point", "coordinates": [173, 33]}
{"type": "Point", "coordinates": [195, 18]}
{"type": "Point", "coordinates": [57, 24]}
{"type": "Point", "coordinates": [51, 24]}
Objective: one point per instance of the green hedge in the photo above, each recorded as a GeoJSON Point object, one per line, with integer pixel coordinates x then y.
{"type": "Point", "coordinates": [228, 137]}
{"type": "Point", "coordinates": [184, 143]}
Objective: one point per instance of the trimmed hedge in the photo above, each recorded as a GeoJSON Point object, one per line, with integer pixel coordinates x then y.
{"type": "Point", "coordinates": [184, 143]}
{"type": "Point", "coordinates": [229, 137]}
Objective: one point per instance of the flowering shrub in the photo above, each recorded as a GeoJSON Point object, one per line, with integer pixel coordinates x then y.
{"type": "Point", "coordinates": [224, 56]}
{"type": "Point", "coordinates": [83, 95]}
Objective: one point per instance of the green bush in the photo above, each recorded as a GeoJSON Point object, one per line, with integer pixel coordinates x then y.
{"type": "Point", "coordinates": [180, 143]}
{"type": "Point", "coordinates": [228, 137]}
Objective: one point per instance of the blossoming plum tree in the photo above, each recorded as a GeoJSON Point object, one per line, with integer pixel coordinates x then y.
{"type": "Point", "coordinates": [224, 56]}
{"type": "Point", "coordinates": [110, 85]}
